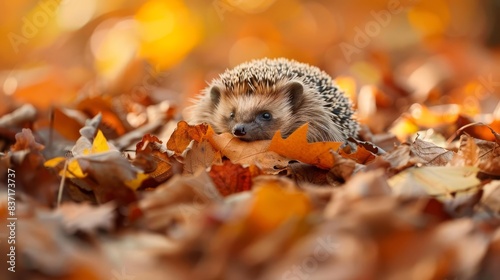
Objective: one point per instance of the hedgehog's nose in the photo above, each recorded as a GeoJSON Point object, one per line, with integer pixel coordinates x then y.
{"type": "Point", "coordinates": [239, 130]}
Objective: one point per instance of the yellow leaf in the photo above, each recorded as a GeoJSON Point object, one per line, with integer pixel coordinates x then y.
{"type": "Point", "coordinates": [74, 170]}
{"type": "Point", "coordinates": [54, 162]}
{"type": "Point", "coordinates": [273, 204]}
{"type": "Point", "coordinates": [99, 145]}
{"type": "Point", "coordinates": [137, 181]}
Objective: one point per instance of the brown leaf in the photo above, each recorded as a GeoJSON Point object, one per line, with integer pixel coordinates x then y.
{"type": "Point", "coordinates": [176, 205]}
{"type": "Point", "coordinates": [245, 153]}
{"type": "Point", "coordinates": [107, 176]}
{"type": "Point", "coordinates": [429, 154]}
{"type": "Point", "coordinates": [184, 134]}
{"type": "Point", "coordinates": [26, 141]}
{"type": "Point", "coordinates": [112, 124]}
{"type": "Point", "coordinates": [363, 154]}
{"type": "Point", "coordinates": [201, 155]}
{"type": "Point", "coordinates": [153, 159]}
{"type": "Point", "coordinates": [68, 126]}
{"type": "Point", "coordinates": [270, 163]}
{"type": "Point", "coordinates": [43, 243]}
{"type": "Point", "coordinates": [231, 178]}
{"type": "Point", "coordinates": [480, 153]}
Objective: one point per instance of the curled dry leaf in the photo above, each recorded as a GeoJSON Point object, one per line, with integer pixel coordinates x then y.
{"type": "Point", "coordinates": [363, 154]}
{"type": "Point", "coordinates": [429, 154]}
{"type": "Point", "coordinates": [418, 152]}
{"type": "Point", "coordinates": [184, 134]}
{"type": "Point", "coordinates": [480, 153]}
{"type": "Point", "coordinates": [154, 160]}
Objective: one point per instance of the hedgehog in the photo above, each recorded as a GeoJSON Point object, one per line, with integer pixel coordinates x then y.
{"type": "Point", "coordinates": [257, 98]}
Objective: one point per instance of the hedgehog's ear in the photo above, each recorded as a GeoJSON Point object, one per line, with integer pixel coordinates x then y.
{"type": "Point", "coordinates": [295, 92]}
{"type": "Point", "coordinates": [215, 94]}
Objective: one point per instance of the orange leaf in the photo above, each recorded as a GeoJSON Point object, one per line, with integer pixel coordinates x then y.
{"type": "Point", "coordinates": [67, 126]}
{"type": "Point", "coordinates": [49, 89]}
{"type": "Point", "coordinates": [231, 178]}
{"type": "Point", "coordinates": [151, 156]}
{"type": "Point", "coordinates": [362, 155]}
{"type": "Point", "coordinates": [486, 131]}
{"type": "Point", "coordinates": [103, 105]}
{"type": "Point", "coordinates": [183, 135]}
{"type": "Point", "coordinates": [274, 204]}
{"type": "Point", "coordinates": [297, 147]}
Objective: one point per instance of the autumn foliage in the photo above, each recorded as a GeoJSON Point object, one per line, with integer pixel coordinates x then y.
{"type": "Point", "coordinates": [106, 180]}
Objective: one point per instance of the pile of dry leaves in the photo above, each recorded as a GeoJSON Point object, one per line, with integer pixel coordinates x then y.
{"type": "Point", "coordinates": [208, 206]}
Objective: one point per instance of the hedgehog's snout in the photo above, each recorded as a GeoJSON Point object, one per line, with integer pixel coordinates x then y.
{"type": "Point", "coordinates": [239, 130]}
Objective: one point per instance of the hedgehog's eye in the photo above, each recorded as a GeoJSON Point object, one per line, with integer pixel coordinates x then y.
{"type": "Point", "coordinates": [231, 116]}
{"type": "Point", "coordinates": [266, 116]}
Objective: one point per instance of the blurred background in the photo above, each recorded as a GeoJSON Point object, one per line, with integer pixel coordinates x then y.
{"type": "Point", "coordinates": [389, 55]}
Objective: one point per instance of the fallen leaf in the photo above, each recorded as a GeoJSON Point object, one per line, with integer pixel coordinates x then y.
{"type": "Point", "coordinates": [297, 147]}
{"type": "Point", "coordinates": [154, 160]}
{"type": "Point", "coordinates": [274, 203]}
{"type": "Point", "coordinates": [201, 155]}
{"type": "Point", "coordinates": [439, 181]}
{"type": "Point", "coordinates": [231, 178]}
{"type": "Point", "coordinates": [184, 134]}
{"type": "Point", "coordinates": [245, 153]}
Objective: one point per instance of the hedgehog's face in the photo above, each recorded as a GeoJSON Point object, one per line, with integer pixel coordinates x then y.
{"type": "Point", "coordinates": [253, 115]}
